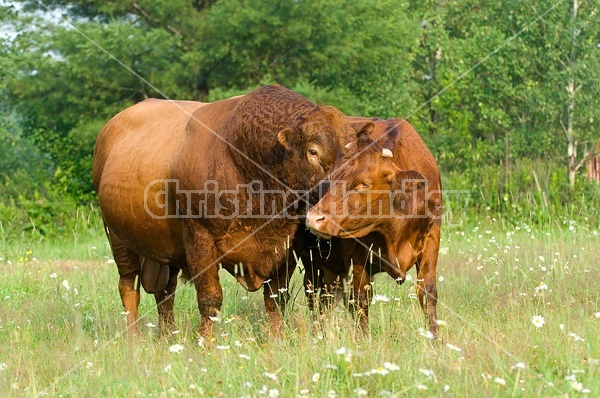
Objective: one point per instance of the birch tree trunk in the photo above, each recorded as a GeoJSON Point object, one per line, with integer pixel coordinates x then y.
{"type": "Point", "coordinates": [571, 90]}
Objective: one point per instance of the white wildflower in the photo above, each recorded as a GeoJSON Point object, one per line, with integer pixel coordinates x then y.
{"type": "Point", "coordinates": [176, 348]}
{"type": "Point", "coordinates": [54, 275]}
{"type": "Point", "coordinates": [316, 377]}
{"type": "Point", "coordinates": [426, 333]}
{"type": "Point", "coordinates": [518, 365]}
{"type": "Point", "coordinates": [271, 376]}
{"type": "Point", "coordinates": [540, 287]}
{"type": "Point", "coordinates": [538, 321]}
{"type": "Point", "coordinates": [380, 371]}
{"type": "Point", "coordinates": [360, 392]}
{"type": "Point", "coordinates": [380, 298]}
{"type": "Point", "coordinates": [427, 372]}
{"type": "Point", "coordinates": [500, 381]}
{"type": "Point", "coordinates": [453, 347]}
{"type": "Point", "coordinates": [391, 366]}
{"type": "Point", "coordinates": [575, 337]}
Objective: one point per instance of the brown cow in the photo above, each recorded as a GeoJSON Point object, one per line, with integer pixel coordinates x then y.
{"type": "Point", "coordinates": [184, 185]}
{"type": "Point", "coordinates": [386, 194]}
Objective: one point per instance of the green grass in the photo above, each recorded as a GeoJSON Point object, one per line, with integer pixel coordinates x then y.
{"type": "Point", "coordinates": [70, 342]}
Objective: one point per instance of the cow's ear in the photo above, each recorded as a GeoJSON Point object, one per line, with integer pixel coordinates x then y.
{"type": "Point", "coordinates": [409, 192]}
{"type": "Point", "coordinates": [286, 137]}
{"type": "Point", "coordinates": [363, 128]}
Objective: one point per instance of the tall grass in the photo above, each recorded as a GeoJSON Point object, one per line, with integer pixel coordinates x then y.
{"type": "Point", "coordinates": [62, 327]}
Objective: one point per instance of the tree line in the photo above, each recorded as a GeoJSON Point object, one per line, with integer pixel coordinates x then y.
{"type": "Point", "coordinates": [505, 93]}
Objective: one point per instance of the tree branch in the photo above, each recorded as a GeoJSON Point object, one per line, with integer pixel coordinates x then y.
{"type": "Point", "coordinates": [153, 21]}
{"type": "Point", "coordinates": [588, 155]}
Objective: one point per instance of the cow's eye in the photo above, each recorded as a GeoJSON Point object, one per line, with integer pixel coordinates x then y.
{"type": "Point", "coordinates": [312, 152]}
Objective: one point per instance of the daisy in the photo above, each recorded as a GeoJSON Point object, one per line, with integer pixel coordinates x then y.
{"type": "Point", "coordinates": [380, 371]}
{"type": "Point", "coordinates": [391, 366]}
{"type": "Point", "coordinates": [538, 321]}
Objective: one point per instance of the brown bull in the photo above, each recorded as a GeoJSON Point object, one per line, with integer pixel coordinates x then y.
{"type": "Point", "coordinates": [385, 201]}
{"type": "Point", "coordinates": [190, 186]}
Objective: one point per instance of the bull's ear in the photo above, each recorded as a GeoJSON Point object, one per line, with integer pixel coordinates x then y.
{"type": "Point", "coordinates": [286, 137]}
{"type": "Point", "coordinates": [409, 192]}
{"type": "Point", "coordinates": [363, 128]}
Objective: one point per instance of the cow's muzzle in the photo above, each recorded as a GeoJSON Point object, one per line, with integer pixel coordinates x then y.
{"type": "Point", "coordinates": [317, 223]}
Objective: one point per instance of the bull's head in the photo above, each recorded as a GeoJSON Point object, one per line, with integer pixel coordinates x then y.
{"type": "Point", "coordinates": [313, 144]}
{"type": "Point", "coordinates": [367, 192]}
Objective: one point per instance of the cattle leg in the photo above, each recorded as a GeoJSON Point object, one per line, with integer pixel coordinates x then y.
{"type": "Point", "coordinates": [128, 264]}
{"type": "Point", "coordinates": [165, 299]}
{"type": "Point", "coordinates": [361, 296]}
{"type": "Point", "coordinates": [276, 296]}
{"type": "Point", "coordinates": [426, 279]}
{"type": "Point", "coordinates": [210, 298]}
{"type": "Point", "coordinates": [204, 272]}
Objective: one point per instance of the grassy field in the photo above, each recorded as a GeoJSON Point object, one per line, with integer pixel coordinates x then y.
{"type": "Point", "coordinates": [61, 327]}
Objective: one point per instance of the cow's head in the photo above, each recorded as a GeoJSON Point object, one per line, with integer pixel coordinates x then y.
{"type": "Point", "coordinates": [367, 192]}
{"type": "Point", "coordinates": [314, 142]}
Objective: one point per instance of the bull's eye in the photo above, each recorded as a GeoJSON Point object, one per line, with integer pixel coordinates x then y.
{"type": "Point", "coordinates": [312, 153]}
{"type": "Point", "coordinates": [361, 186]}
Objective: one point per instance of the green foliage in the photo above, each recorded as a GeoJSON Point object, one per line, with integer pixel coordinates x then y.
{"type": "Point", "coordinates": [482, 81]}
